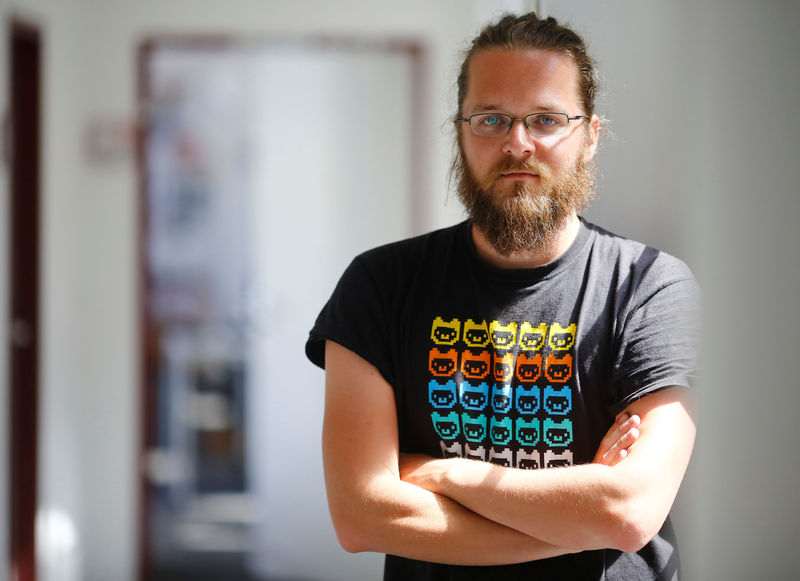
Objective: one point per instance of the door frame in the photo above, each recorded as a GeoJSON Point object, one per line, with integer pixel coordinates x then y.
{"type": "Point", "coordinates": [25, 46]}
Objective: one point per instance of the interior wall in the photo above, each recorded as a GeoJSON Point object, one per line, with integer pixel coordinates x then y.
{"type": "Point", "coordinates": [645, 70]}
{"type": "Point", "coordinates": [702, 163]}
{"type": "Point", "coordinates": [748, 466]}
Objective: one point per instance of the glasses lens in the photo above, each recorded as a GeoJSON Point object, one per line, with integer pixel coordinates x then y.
{"type": "Point", "coordinates": [545, 124]}
{"type": "Point", "coordinates": [489, 124]}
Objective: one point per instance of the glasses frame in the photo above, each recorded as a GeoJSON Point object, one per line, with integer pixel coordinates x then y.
{"type": "Point", "coordinates": [524, 120]}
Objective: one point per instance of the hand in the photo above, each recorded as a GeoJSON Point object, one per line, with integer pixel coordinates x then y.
{"type": "Point", "coordinates": [622, 435]}
{"type": "Point", "coordinates": [419, 470]}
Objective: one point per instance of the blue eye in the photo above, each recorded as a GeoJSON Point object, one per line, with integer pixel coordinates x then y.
{"type": "Point", "coordinates": [492, 120]}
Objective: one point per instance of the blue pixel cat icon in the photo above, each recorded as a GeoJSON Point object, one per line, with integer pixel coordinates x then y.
{"type": "Point", "coordinates": [527, 399]}
{"type": "Point", "coordinates": [528, 460]}
{"type": "Point", "coordinates": [557, 433]}
{"type": "Point", "coordinates": [500, 431]}
{"type": "Point", "coordinates": [557, 401]}
{"type": "Point", "coordinates": [472, 397]}
{"type": "Point", "coordinates": [527, 431]}
{"type": "Point", "coordinates": [501, 398]}
{"type": "Point", "coordinates": [474, 427]}
{"type": "Point", "coordinates": [442, 396]}
{"type": "Point", "coordinates": [446, 426]}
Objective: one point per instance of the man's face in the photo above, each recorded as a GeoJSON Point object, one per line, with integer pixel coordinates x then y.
{"type": "Point", "coordinates": [516, 181]}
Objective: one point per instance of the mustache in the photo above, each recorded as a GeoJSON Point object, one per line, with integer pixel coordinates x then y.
{"type": "Point", "coordinates": [531, 164]}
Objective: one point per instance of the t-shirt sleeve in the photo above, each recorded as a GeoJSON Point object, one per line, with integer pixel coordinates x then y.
{"type": "Point", "coordinates": [356, 317]}
{"type": "Point", "coordinates": [659, 339]}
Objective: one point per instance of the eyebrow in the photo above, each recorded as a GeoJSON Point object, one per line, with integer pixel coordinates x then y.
{"type": "Point", "coordinates": [481, 107]}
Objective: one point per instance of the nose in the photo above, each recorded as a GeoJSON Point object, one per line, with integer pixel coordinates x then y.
{"type": "Point", "coordinates": [518, 141]}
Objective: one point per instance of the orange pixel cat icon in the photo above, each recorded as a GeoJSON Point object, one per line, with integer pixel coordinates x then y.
{"type": "Point", "coordinates": [475, 365]}
{"type": "Point", "coordinates": [558, 369]}
{"type": "Point", "coordinates": [528, 368]}
{"type": "Point", "coordinates": [504, 367]}
{"type": "Point", "coordinates": [443, 363]}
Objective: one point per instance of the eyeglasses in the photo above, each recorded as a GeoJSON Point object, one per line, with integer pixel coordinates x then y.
{"type": "Point", "coordinates": [537, 124]}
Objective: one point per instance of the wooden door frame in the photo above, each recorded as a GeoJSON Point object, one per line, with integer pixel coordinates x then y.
{"type": "Point", "coordinates": [25, 46]}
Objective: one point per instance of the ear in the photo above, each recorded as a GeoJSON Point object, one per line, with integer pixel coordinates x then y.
{"type": "Point", "coordinates": [592, 138]}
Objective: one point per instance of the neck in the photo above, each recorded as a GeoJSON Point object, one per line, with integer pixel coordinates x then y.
{"type": "Point", "coordinates": [528, 258]}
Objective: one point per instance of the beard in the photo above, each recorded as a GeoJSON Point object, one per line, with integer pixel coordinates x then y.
{"type": "Point", "coordinates": [525, 216]}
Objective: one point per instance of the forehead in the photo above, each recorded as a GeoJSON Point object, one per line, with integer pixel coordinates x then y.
{"type": "Point", "coordinates": [522, 81]}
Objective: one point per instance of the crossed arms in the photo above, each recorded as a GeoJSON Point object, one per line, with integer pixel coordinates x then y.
{"type": "Point", "coordinates": [461, 511]}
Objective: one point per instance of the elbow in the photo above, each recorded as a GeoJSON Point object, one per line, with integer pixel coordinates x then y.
{"type": "Point", "coordinates": [631, 528]}
{"type": "Point", "coordinates": [350, 533]}
{"type": "Point", "coordinates": [350, 542]}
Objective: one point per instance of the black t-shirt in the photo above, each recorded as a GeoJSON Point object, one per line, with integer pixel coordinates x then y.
{"type": "Point", "coordinates": [526, 368]}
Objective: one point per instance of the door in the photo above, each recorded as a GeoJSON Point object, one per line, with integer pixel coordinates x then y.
{"type": "Point", "coordinates": [267, 167]}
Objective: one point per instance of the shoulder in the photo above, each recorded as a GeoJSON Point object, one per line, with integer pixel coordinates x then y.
{"type": "Point", "coordinates": [408, 254]}
{"type": "Point", "coordinates": [637, 261]}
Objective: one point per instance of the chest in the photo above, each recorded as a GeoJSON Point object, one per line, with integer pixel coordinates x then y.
{"type": "Point", "coordinates": [514, 376]}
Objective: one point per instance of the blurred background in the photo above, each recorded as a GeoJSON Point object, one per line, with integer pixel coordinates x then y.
{"type": "Point", "coordinates": [182, 183]}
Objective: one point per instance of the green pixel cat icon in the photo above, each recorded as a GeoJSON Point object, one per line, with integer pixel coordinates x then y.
{"type": "Point", "coordinates": [527, 431]}
{"type": "Point", "coordinates": [474, 427]}
{"type": "Point", "coordinates": [500, 431]}
{"type": "Point", "coordinates": [446, 426]}
{"type": "Point", "coordinates": [557, 433]}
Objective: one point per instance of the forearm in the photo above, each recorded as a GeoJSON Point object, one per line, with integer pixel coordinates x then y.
{"type": "Point", "coordinates": [581, 507]}
{"type": "Point", "coordinates": [578, 507]}
{"type": "Point", "coordinates": [395, 517]}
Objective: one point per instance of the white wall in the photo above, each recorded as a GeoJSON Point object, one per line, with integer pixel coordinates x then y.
{"type": "Point", "coordinates": [748, 464]}
{"type": "Point", "coordinates": [701, 97]}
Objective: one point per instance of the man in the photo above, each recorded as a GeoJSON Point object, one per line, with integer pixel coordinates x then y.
{"type": "Point", "coordinates": [554, 353]}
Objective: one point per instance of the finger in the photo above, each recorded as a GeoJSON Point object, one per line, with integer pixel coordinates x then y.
{"type": "Point", "coordinates": [614, 433]}
{"type": "Point", "coordinates": [619, 450]}
{"type": "Point", "coordinates": [620, 437]}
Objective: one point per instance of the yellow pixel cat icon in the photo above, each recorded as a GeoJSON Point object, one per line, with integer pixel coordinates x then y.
{"type": "Point", "coordinates": [562, 338]}
{"type": "Point", "coordinates": [503, 336]}
{"type": "Point", "coordinates": [444, 332]}
{"type": "Point", "coordinates": [532, 338]}
{"type": "Point", "coordinates": [476, 334]}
